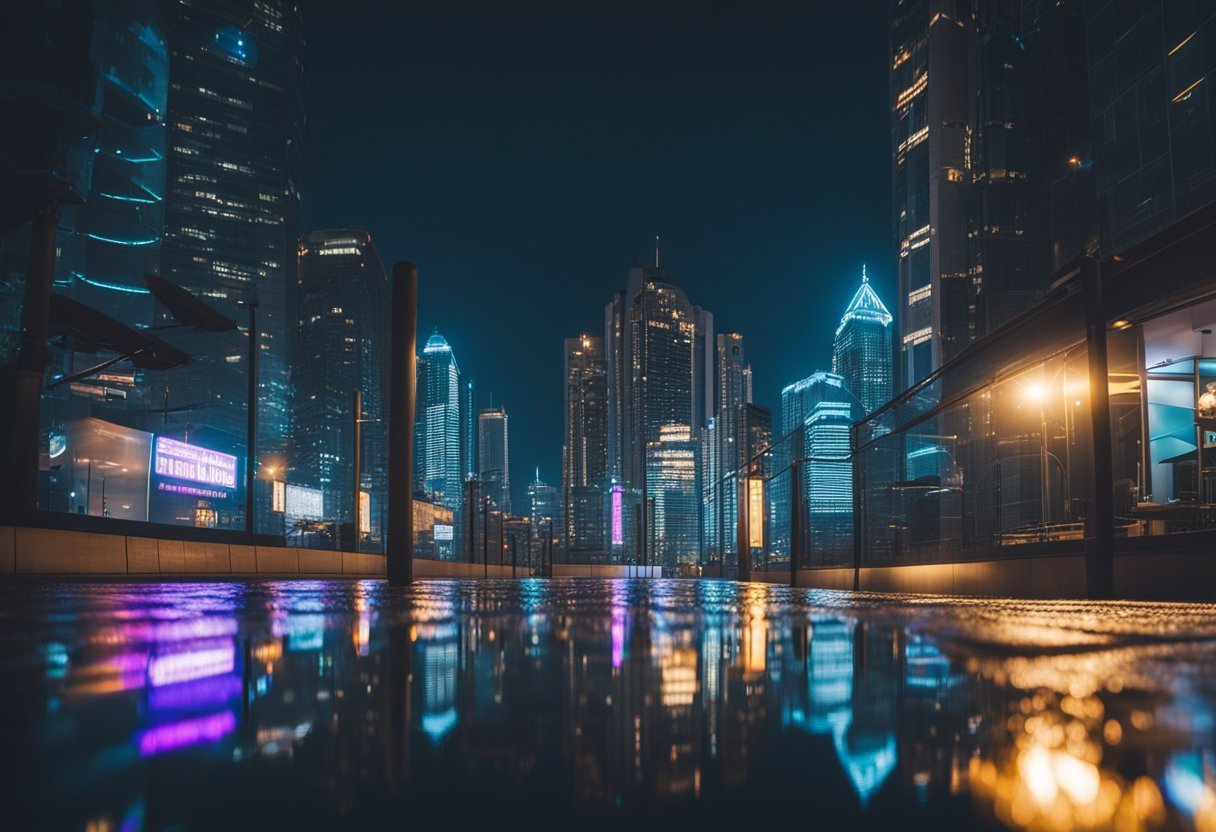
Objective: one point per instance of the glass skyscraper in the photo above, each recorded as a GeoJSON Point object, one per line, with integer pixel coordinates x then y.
{"type": "Point", "coordinates": [660, 384]}
{"type": "Point", "coordinates": [585, 450]}
{"type": "Point", "coordinates": [232, 201]}
{"type": "Point", "coordinates": [342, 347]}
{"type": "Point", "coordinates": [437, 435]}
{"type": "Point", "coordinates": [862, 348]}
{"type": "Point", "coordinates": [494, 456]}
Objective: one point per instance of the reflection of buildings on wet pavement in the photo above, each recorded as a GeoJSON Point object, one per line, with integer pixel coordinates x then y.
{"type": "Point", "coordinates": [612, 697]}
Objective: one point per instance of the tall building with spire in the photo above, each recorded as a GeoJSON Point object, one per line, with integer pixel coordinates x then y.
{"type": "Point", "coordinates": [657, 393]}
{"type": "Point", "coordinates": [437, 453]}
{"type": "Point", "coordinates": [862, 349]}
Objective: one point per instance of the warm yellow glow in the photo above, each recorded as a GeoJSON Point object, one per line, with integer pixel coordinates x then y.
{"type": "Point", "coordinates": [755, 512]}
{"type": "Point", "coordinates": [1036, 391]}
{"type": "Point", "coordinates": [1122, 323]}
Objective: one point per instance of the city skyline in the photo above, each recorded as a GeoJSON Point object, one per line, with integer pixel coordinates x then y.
{"type": "Point", "coordinates": [571, 140]}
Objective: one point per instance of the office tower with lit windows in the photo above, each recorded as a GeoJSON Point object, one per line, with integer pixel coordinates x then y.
{"type": "Point", "coordinates": [544, 505]}
{"type": "Point", "coordinates": [235, 162]}
{"type": "Point", "coordinates": [342, 347]}
{"type": "Point", "coordinates": [494, 458]}
{"type": "Point", "coordinates": [468, 430]}
{"type": "Point", "coordinates": [655, 397]}
{"type": "Point", "coordinates": [704, 369]}
{"type": "Point", "coordinates": [720, 451]}
{"type": "Point", "coordinates": [1151, 82]}
{"type": "Point", "coordinates": [862, 348]}
{"type": "Point", "coordinates": [585, 450]}
{"type": "Point", "coordinates": [932, 133]}
{"type": "Point", "coordinates": [437, 425]}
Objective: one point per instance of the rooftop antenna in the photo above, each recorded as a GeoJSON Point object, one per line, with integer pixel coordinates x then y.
{"type": "Point", "coordinates": [656, 251]}
{"type": "Point", "coordinates": [864, 279]}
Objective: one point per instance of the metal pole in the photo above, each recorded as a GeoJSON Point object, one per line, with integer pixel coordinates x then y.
{"type": "Point", "coordinates": [796, 515]}
{"type": "Point", "coordinates": [469, 540]}
{"type": "Point", "coordinates": [1100, 543]}
{"type": "Point", "coordinates": [485, 536]}
{"type": "Point", "coordinates": [357, 465]}
{"type": "Point", "coordinates": [403, 342]}
{"type": "Point", "coordinates": [20, 404]}
{"type": "Point", "coordinates": [502, 530]}
{"type": "Point", "coordinates": [251, 414]}
{"type": "Point", "coordinates": [741, 541]}
{"type": "Point", "coordinates": [528, 549]}
{"type": "Point", "coordinates": [858, 495]}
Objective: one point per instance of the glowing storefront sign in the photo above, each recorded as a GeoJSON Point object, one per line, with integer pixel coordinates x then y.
{"type": "Point", "coordinates": [443, 532]}
{"type": "Point", "coordinates": [278, 497]}
{"type": "Point", "coordinates": [618, 525]}
{"type": "Point", "coordinates": [180, 461]}
{"type": "Point", "coordinates": [307, 503]}
{"type": "Point", "coordinates": [365, 512]}
{"type": "Point", "coordinates": [755, 513]}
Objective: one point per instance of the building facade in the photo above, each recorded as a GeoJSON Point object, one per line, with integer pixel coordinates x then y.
{"type": "Point", "coordinates": [437, 456]}
{"type": "Point", "coordinates": [342, 347]}
{"type": "Point", "coordinates": [232, 201]}
{"type": "Point", "coordinates": [494, 456]}
{"type": "Point", "coordinates": [862, 347]}
{"type": "Point", "coordinates": [585, 450]}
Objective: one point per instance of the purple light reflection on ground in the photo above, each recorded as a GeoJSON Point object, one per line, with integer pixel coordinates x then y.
{"type": "Point", "coordinates": [173, 736]}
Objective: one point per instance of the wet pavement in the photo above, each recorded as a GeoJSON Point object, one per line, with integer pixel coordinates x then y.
{"type": "Point", "coordinates": [609, 703]}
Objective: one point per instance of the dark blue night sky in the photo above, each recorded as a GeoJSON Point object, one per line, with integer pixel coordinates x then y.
{"type": "Point", "coordinates": [525, 155]}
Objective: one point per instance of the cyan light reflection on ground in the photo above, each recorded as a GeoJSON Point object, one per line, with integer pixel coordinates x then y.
{"type": "Point", "coordinates": [342, 703]}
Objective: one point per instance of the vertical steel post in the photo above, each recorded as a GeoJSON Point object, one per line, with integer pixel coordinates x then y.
{"type": "Point", "coordinates": [796, 515]}
{"type": "Point", "coordinates": [357, 465]}
{"type": "Point", "coordinates": [741, 536]}
{"type": "Point", "coordinates": [485, 536]}
{"type": "Point", "coordinates": [251, 419]}
{"type": "Point", "coordinates": [21, 401]}
{"type": "Point", "coordinates": [403, 341]}
{"type": "Point", "coordinates": [1100, 542]}
{"type": "Point", "coordinates": [858, 501]}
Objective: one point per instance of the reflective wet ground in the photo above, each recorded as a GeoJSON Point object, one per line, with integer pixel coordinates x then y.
{"type": "Point", "coordinates": [597, 703]}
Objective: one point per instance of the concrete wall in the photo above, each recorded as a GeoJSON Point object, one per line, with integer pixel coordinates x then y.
{"type": "Point", "coordinates": [34, 552]}
{"type": "Point", "coordinates": [587, 570]}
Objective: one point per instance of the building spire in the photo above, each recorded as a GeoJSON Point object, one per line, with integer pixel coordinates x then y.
{"type": "Point", "coordinates": [864, 278]}
{"type": "Point", "coordinates": [656, 251]}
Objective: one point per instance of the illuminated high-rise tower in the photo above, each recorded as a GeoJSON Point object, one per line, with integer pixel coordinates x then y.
{"type": "Point", "coordinates": [585, 449]}
{"type": "Point", "coordinates": [235, 162]}
{"type": "Point", "coordinates": [862, 349]}
{"type": "Point", "coordinates": [437, 425]}
{"type": "Point", "coordinates": [342, 347]}
{"type": "Point", "coordinates": [494, 456]}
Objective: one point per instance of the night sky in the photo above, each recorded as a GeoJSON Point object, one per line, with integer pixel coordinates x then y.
{"type": "Point", "coordinates": [526, 155]}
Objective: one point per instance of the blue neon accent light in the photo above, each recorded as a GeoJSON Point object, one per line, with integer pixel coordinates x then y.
{"type": "Point", "coordinates": [101, 239]}
{"type": "Point", "coordinates": [238, 45]}
{"type": "Point", "coordinates": [113, 287]}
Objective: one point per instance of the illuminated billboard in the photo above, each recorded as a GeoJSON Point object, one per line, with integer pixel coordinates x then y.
{"type": "Point", "coordinates": [443, 531]}
{"type": "Point", "coordinates": [618, 521]}
{"type": "Point", "coordinates": [304, 503]}
{"type": "Point", "coordinates": [191, 463]}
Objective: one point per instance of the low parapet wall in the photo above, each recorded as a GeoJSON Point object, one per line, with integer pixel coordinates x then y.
{"type": "Point", "coordinates": [594, 570]}
{"type": "Point", "coordinates": [54, 552]}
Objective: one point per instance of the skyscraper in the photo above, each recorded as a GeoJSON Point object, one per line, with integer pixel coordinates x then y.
{"type": "Point", "coordinates": [342, 347]}
{"type": "Point", "coordinates": [721, 451]}
{"type": "Point", "coordinates": [1151, 76]}
{"type": "Point", "coordinates": [961, 86]}
{"type": "Point", "coordinates": [932, 133]}
{"type": "Point", "coordinates": [468, 430]}
{"type": "Point", "coordinates": [544, 504]}
{"type": "Point", "coordinates": [233, 193]}
{"type": "Point", "coordinates": [585, 449]}
{"type": "Point", "coordinates": [862, 349]}
{"type": "Point", "coordinates": [493, 454]}
{"type": "Point", "coordinates": [437, 428]}
{"type": "Point", "coordinates": [657, 393]}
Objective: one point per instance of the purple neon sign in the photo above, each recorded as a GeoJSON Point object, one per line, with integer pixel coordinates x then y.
{"type": "Point", "coordinates": [181, 461]}
{"type": "Point", "coordinates": [618, 526]}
